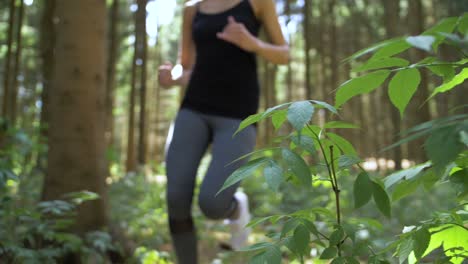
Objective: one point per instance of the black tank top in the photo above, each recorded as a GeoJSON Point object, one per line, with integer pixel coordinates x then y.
{"type": "Point", "coordinates": [224, 78]}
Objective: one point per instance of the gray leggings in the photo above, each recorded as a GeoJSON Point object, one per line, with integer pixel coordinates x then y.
{"type": "Point", "coordinates": [193, 133]}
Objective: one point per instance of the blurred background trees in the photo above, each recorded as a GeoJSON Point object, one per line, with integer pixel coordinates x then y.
{"type": "Point", "coordinates": [81, 93]}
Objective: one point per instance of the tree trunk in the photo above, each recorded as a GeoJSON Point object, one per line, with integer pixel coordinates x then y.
{"type": "Point", "coordinates": [289, 77]}
{"type": "Point", "coordinates": [7, 72]}
{"type": "Point", "coordinates": [141, 30]}
{"type": "Point", "coordinates": [333, 50]}
{"type": "Point", "coordinates": [16, 68]}
{"type": "Point", "coordinates": [307, 13]}
{"type": "Point", "coordinates": [111, 70]}
{"type": "Point", "coordinates": [391, 18]}
{"type": "Point", "coordinates": [77, 110]}
{"type": "Point", "coordinates": [418, 111]}
{"type": "Point", "coordinates": [131, 158]}
{"type": "Point", "coordinates": [47, 40]}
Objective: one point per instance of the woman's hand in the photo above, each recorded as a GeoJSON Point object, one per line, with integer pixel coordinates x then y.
{"type": "Point", "coordinates": [237, 34]}
{"type": "Point", "coordinates": [165, 75]}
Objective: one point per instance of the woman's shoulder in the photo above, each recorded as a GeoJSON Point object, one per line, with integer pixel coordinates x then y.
{"type": "Point", "coordinates": [190, 7]}
{"type": "Point", "coordinates": [192, 4]}
{"type": "Point", "coordinates": [261, 5]}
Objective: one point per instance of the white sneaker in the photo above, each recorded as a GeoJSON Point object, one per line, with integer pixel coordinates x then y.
{"type": "Point", "coordinates": [240, 233]}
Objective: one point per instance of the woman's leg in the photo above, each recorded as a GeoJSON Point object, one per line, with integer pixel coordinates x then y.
{"type": "Point", "coordinates": [225, 149]}
{"type": "Point", "coordinates": [189, 142]}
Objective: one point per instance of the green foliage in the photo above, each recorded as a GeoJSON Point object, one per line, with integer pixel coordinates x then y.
{"type": "Point", "coordinates": [39, 232]}
{"type": "Point", "coordinates": [318, 157]}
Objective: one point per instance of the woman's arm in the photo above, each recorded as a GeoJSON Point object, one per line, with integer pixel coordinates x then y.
{"type": "Point", "coordinates": [186, 53]}
{"type": "Point", "coordinates": [277, 51]}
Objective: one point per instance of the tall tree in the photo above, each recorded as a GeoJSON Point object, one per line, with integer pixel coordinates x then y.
{"type": "Point", "coordinates": [307, 14]}
{"type": "Point", "coordinates": [77, 109]}
{"type": "Point", "coordinates": [7, 71]}
{"type": "Point", "coordinates": [289, 76]}
{"type": "Point", "coordinates": [111, 69]}
{"type": "Point", "coordinates": [17, 62]}
{"type": "Point", "coordinates": [418, 111]}
{"type": "Point", "coordinates": [46, 46]}
{"type": "Point", "coordinates": [131, 157]}
{"type": "Point", "coordinates": [143, 55]}
{"type": "Point", "coordinates": [391, 18]}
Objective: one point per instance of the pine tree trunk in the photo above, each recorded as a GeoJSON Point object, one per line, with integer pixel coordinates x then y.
{"type": "Point", "coordinates": [77, 110]}
{"type": "Point", "coordinates": [391, 18]}
{"type": "Point", "coordinates": [418, 111]}
{"type": "Point", "coordinates": [14, 88]}
{"type": "Point", "coordinates": [131, 157]}
{"type": "Point", "coordinates": [307, 13]}
{"type": "Point", "coordinates": [289, 76]}
{"type": "Point", "coordinates": [7, 71]}
{"type": "Point", "coordinates": [47, 40]}
{"type": "Point", "coordinates": [141, 30]}
{"type": "Point", "coordinates": [111, 70]}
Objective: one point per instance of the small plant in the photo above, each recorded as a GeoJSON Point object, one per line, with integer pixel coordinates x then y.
{"type": "Point", "coordinates": [39, 232]}
{"type": "Point", "coordinates": [315, 155]}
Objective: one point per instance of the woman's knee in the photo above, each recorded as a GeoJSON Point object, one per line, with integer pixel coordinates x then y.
{"type": "Point", "coordinates": [214, 207]}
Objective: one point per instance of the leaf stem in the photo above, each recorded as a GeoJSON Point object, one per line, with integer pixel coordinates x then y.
{"type": "Point", "coordinates": [324, 156]}
{"type": "Point", "coordinates": [336, 190]}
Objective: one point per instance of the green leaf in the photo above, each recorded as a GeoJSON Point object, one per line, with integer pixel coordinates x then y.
{"type": "Point", "coordinates": [407, 174]}
{"type": "Point", "coordinates": [458, 79]}
{"type": "Point", "coordinates": [360, 85]}
{"type": "Point", "coordinates": [258, 259]}
{"type": "Point", "coordinates": [273, 175]}
{"type": "Point", "coordinates": [320, 104]}
{"type": "Point", "coordinates": [290, 225]}
{"type": "Point", "coordinates": [258, 221]}
{"type": "Point", "coordinates": [447, 72]}
{"type": "Point", "coordinates": [445, 26]}
{"type": "Point", "coordinates": [402, 87]}
{"type": "Point", "coordinates": [310, 226]}
{"type": "Point", "coordinates": [381, 199]}
{"type": "Point", "coordinates": [344, 145]}
{"type": "Point", "coordinates": [448, 137]}
{"type": "Point", "coordinates": [337, 236]}
{"type": "Point", "coordinates": [351, 260]}
{"type": "Point", "coordinates": [301, 239]}
{"type": "Point", "coordinates": [257, 246]}
{"type": "Point", "coordinates": [464, 137]}
{"type": "Point", "coordinates": [278, 118]}
{"type": "Point", "coordinates": [305, 142]}
{"type": "Point", "coordinates": [421, 241]}
{"type": "Point", "coordinates": [299, 114]}
{"type": "Point", "coordinates": [362, 190]}
{"type": "Point", "coordinates": [450, 236]}
{"type": "Point", "coordinates": [373, 48]}
{"type": "Point", "coordinates": [382, 63]}
{"type": "Point", "coordinates": [463, 24]}
{"type": "Point", "coordinates": [460, 180]}
{"type": "Point", "coordinates": [243, 172]}
{"type": "Point", "coordinates": [298, 166]}
{"type": "Point", "coordinates": [392, 49]}
{"type": "Point", "coordinates": [339, 124]}
{"type": "Point", "coordinates": [83, 196]}
{"type": "Point", "coordinates": [338, 260]}
{"type": "Point", "coordinates": [329, 253]}
{"type": "Point", "coordinates": [345, 161]}
{"type": "Point", "coordinates": [405, 248]}
{"type": "Point", "coordinates": [404, 188]}
{"type": "Point", "coordinates": [273, 255]}
{"type": "Point", "coordinates": [421, 42]}
{"type": "Point", "coordinates": [252, 119]}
